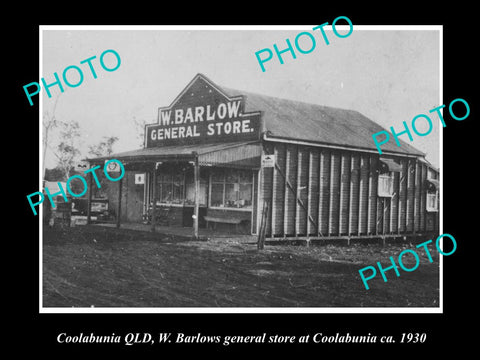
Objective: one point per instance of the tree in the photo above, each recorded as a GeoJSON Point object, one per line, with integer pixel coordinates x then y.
{"type": "Point", "coordinates": [140, 129]}
{"type": "Point", "coordinates": [66, 151]}
{"type": "Point", "coordinates": [104, 148]}
{"type": "Point", "coordinates": [49, 123]}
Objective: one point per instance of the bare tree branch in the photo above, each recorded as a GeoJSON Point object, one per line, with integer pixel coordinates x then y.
{"type": "Point", "coordinates": [49, 122]}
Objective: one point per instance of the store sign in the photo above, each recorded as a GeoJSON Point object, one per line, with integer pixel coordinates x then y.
{"type": "Point", "coordinates": [203, 114]}
{"type": "Point", "coordinates": [112, 166]}
{"type": "Point", "coordinates": [268, 161]}
{"type": "Point", "coordinates": [139, 179]}
{"type": "Point", "coordinates": [81, 165]}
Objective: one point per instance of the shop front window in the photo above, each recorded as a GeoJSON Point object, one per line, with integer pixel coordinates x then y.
{"type": "Point", "coordinates": [171, 186]}
{"type": "Point", "coordinates": [432, 201]}
{"type": "Point", "coordinates": [432, 194]}
{"type": "Point", "coordinates": [385, 184]}
{"type": "Point", "coordinates": [231, 189]}
{"type": "Point", "coordinates": [216, 199]}
{"type": "Point", "coordinates": [433, 186]}
{"type": "Point", "coordinates": [190, 188]}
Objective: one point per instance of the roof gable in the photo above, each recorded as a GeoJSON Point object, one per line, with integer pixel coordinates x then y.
{"type": "Point", "coordinates": [199, 91]}
{"type": "Point", "coordinates": [203, 113]}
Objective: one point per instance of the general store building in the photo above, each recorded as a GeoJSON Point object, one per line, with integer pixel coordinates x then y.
{"type": "Point", "coordinates": [250, 163]}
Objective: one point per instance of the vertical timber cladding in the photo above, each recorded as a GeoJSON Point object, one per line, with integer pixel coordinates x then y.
{"type": "Point", "coordinates": [313, 192]}
{"type": "Point", "coordinates": [393, 223]}
{"type": "Point", "coordinates": [320, 192]}
{"type": "Point", "coordinates": [345, 180]}
{"type": "Point", "coordinates": [402, 198]}
{"type": "Point", "coordinates": [423, 197]}
{"type": "Point", "coordinates": [278, 198]}
{"type": "Point", "coordinates": [372, 197]}
{"type": "Point", "coordinates": [334, 208]}
{"type": "Point", "coordinates": [324, 192]}
{"type": "Point", "coordinates": [410, 193]}
{"type": "Point", "coordinates": [417, 198]}
{"type": "Point", "coordinates": [290, 190]}
{"type": "Point", "coordinates": [301, 205]}
{"type": "Point", "coordinates": [266, 192]}
{"type": "Point", "coordinates": [364, 189]}
{"type": "Point", "coordinates": [255, 202]}
{"type": "Point", "coordinates": [354, 194]}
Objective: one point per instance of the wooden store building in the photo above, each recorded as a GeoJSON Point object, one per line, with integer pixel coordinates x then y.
{"type": "Point", "coordinates": [251, 163]}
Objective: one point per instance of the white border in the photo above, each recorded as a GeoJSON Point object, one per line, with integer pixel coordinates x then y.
{"type": "Point", "coordinates": [40, 172]}
{"type": "Point", "coordinates": [239, 310]}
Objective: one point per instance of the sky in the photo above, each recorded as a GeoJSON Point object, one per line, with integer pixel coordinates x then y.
{"type": "Point", "coordinates": [390, 76]}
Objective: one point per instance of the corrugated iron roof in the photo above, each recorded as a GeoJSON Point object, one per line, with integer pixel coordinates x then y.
{"type": "Point", "coordinates": [298, 120]}
{"type": "Point", "coordinates": [291, 120]}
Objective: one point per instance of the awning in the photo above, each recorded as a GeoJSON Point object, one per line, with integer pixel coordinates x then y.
{"type": "Point", "coordinates": [390, 165]}
{"type": "Point", "coordinates": [238, 154]}
{"type": "Point", "coordinates": [433, 184]}
{"type": "Point", "coordinates": [244, 155]}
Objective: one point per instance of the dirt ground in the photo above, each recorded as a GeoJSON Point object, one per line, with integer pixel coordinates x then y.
{"type": "Point", "coordinates": [89, 266]}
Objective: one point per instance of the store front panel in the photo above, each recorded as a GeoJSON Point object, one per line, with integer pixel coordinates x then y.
{"type": "Point", "coordinates": [223, 192]}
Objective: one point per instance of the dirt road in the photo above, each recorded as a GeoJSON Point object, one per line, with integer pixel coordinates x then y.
{"type": "Point", "coordinates": [88, 266]}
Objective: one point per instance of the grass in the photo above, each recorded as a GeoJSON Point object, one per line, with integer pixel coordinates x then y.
{"type": "Point", "coordinates": [88, 266]}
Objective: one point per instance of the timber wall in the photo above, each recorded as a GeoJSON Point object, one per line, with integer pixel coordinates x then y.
{"type": "Point", "coordinates": [321, 192]}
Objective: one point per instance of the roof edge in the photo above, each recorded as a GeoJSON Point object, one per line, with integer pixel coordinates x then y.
{"type": "Point", "coordinates": [269, 137]}
{"type": "Point", "coordinates": [155, 152]}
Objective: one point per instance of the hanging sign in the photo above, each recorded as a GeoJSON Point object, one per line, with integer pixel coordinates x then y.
{"type": "Point", "coordinates": [268, 161]}
{"type": "Point", "coordinates": [81, 166]}
{"type": "Point", "coordinates": [139, 179]}
{"type": "Point", "coordinates": [112, 166]}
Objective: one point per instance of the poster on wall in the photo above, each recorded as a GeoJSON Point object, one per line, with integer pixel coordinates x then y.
{"type": "Point", "coordinates": [139, 179]}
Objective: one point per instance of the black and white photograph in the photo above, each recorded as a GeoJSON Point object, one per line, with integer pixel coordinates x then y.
{"type": "Point", "coordinates": [297, 183]}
